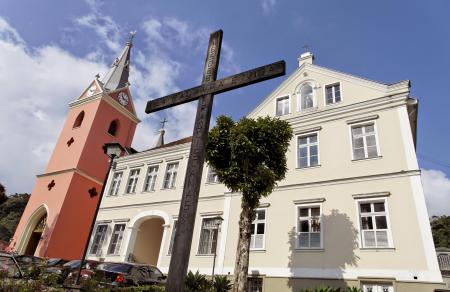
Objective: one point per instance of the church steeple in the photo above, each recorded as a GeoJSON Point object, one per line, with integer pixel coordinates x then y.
{"type": "Point", "coordinates": [117, 77]}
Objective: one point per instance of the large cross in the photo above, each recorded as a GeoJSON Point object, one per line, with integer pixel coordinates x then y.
{"type": "Point", "coordinates": [205, 94]}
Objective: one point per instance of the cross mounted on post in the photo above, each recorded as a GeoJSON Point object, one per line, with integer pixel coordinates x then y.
{"type": "Point", "coordinates": [205, 94]}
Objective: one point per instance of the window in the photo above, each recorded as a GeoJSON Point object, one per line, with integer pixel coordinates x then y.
{"type": "Point", "coordinates": [79, 120]}
{"type": "Point", "coordinates": [378, 288]}
{"type": "Point", "coordinates": [115, 184]}
{"type": "Point", "coordinates": [308, 151]}
{"type": "Point", "coordinates": [364, 141]}
{"type": "Point", "coordinates": [374, 224]}
{"type": "Point", "coordinates": [282, 106]}
{"type": "Point", "coordinates": [116, 239]}
{"type": "Point", "coordinates": [309, 227]}
{"type": "Point", "coordinates": [99, 237]}
{"type": "Point", "coordinates": [306, 97]}
{"type": "Point", "coordinates": [171, 175]}
{"type": "Point", "coordinates": [258, 230]}
{"type": "Point", "coordinates": [132, 181]}
{"type": "Point", "coordinates": [113, 127]}
{"type": "Point", "coordinates": [208, 236]}
{"type": "Point", "coordinates": [172, 238]}
{"type": "Point", "coordinates": [333, 93]}
{"type": "Point", "coordinates": [150, 180]}
{"type": "Point", "coordinates": [255, 284]}
{"type": "Point", "coordinates": [212, 176]}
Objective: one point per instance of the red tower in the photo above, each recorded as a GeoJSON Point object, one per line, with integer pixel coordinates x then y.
{"type": "Point", "coordinates": [57, 218]}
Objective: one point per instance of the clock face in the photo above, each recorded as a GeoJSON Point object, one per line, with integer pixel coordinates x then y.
{"type": "Point", "coordinates": [92, 90]}
{"type": "Point", "coordinates": [123, 98]}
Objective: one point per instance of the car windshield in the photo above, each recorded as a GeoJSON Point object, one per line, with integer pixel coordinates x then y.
{"type": "Point", "coordinates": [118, 268]}
{"type": "Point", "coordinates": [72, 264]}
{"type": "Point", "coordinates": [8, 265]}
{"type": "Point", "coordinates": [52, 262]}
{"type": "Point", "coordinates": [155, 271]}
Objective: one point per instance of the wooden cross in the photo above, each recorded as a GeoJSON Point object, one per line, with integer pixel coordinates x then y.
{"type": "Point", "coordinates": [205, 94]}
{"type": "Point", "coordinates": [163, 123]}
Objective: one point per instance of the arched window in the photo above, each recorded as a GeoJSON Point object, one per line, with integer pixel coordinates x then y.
{"type": "Point", "coordinates": [79, 120]}
{"type": "Point", "coordinates": [306, 97]}
{"type": "Point", "coordinates": [113, 127]}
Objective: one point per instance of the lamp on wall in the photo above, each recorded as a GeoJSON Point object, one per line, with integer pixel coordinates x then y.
{"type": "Point", "coordinates": [113, 150]}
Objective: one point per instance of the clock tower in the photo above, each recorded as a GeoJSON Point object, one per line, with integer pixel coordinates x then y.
{"type": "Point", "coordinates": [57, 218]}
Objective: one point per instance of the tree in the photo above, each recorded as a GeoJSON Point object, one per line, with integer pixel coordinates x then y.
{"type": "Point", "coordinates": [3, 196]}
{"type": "Point", "coordinates": [249, 157]}
{"type": "Point", "coordinates": [440, 227]}
{"type": "Point", "coordinates": [10, 212]}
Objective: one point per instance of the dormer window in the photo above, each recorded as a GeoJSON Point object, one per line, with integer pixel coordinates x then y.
{"type": "Point", "coordinates": [333, 93]}
{"type": "Point", "coordinates": [113, 127]}
{"type": "Point", "coordinates": [282, 105]}
{"type": "Point", "coordinates": [306, 97]}
{"type": "Point", "coordinates": [79, 120]}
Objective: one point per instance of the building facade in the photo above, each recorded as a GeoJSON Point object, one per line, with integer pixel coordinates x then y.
{"type": "Point", "coordinates": [65, 196]}
{"type": "Point", "coordinates": [351, 210]}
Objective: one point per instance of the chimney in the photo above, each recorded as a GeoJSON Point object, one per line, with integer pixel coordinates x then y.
{"type": "Point", "coordinates": [306, 57]}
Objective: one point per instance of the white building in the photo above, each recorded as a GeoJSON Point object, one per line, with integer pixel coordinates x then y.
{"type": "Point", "coordinates": [351, 210]}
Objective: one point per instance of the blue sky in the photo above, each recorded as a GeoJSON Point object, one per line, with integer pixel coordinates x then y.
{"type": "Point", "coordinates": [51, 50]}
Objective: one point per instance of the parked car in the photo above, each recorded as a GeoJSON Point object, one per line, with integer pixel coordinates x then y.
{"type": "Point", "coordinates": [86, 273]}
{"type": "Point", "coordinates": [10, 266]}
{"type": "Point", "coordinates": [55, 262]}
{"type": "Point", "coordinates": [65, 269]}
{"type": "Point", "coordinates": [130, 274]}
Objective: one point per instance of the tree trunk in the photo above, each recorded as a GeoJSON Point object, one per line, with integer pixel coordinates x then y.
{"type": "Point", "coordinates": [243, 248]}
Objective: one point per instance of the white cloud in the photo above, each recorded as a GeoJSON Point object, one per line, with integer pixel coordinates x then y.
{"type": "Point", "coordinates": [39, 82]}
{"type": "Point", "coordinates": [436, 186]}
{"type": "Point", "coordinates": [268, 5]}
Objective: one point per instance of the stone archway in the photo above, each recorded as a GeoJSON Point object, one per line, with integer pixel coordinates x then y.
{"type": "Point", "coordinates": [148, 241]}
{"type": "Point", "coordinates": [33, 231]}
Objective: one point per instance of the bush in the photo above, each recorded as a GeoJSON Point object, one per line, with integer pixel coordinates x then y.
{"type": "Point", "coordinates": [197, 283]}
{"type": "Point", "coordinates": [221, 284]}
{"type": "Point", "coordinates": [329, 289]}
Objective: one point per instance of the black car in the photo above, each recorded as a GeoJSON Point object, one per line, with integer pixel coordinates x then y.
{"type": "Point", "coordinates": [63, 269]}
{"type": "Point", "coordinates": [9, 266]}
{"type": "Point", "coordinates": [130, 274]}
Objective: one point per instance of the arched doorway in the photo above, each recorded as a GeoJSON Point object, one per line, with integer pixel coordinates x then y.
{"type": "Point", "coordinates": [35, 235]}
{"type": "Point", "coordinates": [148, 240]}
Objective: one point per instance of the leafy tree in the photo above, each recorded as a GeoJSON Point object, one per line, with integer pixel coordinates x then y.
{"type": "Point", "coordinates": [249, 157]}
{"type": "Point", "coordinates": [440, 227]}
{"type": "Point", "coordinates": [10, 212]}
{"type": "Point", "coordinates": [3, 196]}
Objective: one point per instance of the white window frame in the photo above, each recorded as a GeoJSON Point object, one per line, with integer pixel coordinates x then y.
{"type": "Point", "coordinates": [288, 97]}
{"type": "Point", "coordinates": [256, 221]}
{"type": "Point", "coordinates": [388, 222]}
{"type": "Point", "coordinates": [132, 181]}
{"type": "Point", "coordinates": [200, 235]}
{"type": "Point", "coordinates": [209, 173]}
{"type": "Point", "coordinates": [299, 96]}
{"type": "Point", "coordinates": [153, 181]}
{"type": "Point", "coordinates": [101, 240]}
{"type": "Point", "coordinates": [297, 150]}
{"type": "Point", "coordinates": [334, 96]}
{"type": "Point", "coordinates": [115, 184]}
{"type": "Point", "coordinates": [377, 141]}
{"type": "Point", "coordinates": [171, 182]}
{"type": "Point", "coordinates": [118, 244]}
{"type": "Point", "coordinates": [377, 287]}
{"type": "Point", "coordinates": [297, 224]}
{"type": "Point", "coordinates": [172, 237]}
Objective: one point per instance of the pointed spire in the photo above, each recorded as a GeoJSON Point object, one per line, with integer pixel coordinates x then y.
{"type": "Point", "coordinates": [117, 77]}
{"type": "Point", "coordinates": [160, 141]}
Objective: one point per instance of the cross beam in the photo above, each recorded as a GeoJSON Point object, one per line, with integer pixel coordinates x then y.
{"type": "Point", "coordinates": [205, 95]}
{"type": "Point", "coordinates": [219, 86]}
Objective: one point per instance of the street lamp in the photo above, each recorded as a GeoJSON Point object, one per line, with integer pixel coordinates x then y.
{"type": "Point", "coordinates": [218, 221]}
{"type": "Point", "coordinates": [113, 150]}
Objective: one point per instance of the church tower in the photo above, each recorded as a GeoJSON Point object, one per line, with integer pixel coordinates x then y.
{"type": "Point", "coordinates": [58, 215]}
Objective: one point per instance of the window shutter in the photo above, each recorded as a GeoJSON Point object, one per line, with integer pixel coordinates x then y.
{"type": "Point", "coordinates": [369, 238]}
{"type": "Point", "coordinates": [382, 239]}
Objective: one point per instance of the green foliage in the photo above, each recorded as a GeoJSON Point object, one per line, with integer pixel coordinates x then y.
{"type": "Point", "coordinates": [53, 280]}
{"type": "Point", "coordinates": [221, 283]}
{"type": "Point", "coordinates": [3, 196]}
{"type": "Point", "coordinates": [249, 156]}
{"type": "Point", "coordinates": [440, 227]}
{"type": "Point", "coordinates": [10, 212]}
{"type": "Point", "coordinates": [197, 283]}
